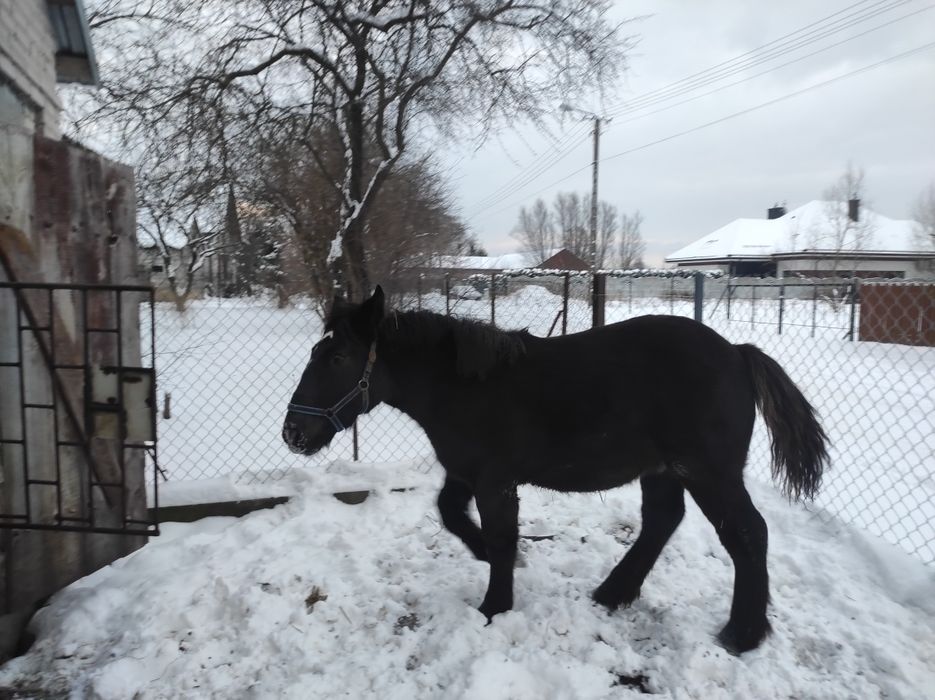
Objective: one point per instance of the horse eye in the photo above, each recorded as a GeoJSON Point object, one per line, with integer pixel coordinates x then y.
{"type": "Point", "coordinates": [338, 359]}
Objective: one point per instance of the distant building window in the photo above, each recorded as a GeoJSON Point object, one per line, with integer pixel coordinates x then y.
{"type": "Point", "coordinates": [860, 274]}
{"type": "Point", "coordinates": [156, 268]}
{"type": "Point", "coordinates": [752, 268]}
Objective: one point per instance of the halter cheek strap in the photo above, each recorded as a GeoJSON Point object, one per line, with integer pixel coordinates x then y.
{"type": "Point", "coordinates": [362, 389]}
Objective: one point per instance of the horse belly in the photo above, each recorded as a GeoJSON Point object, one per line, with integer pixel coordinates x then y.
{"type": "Point", "coordinates": [580, 477]}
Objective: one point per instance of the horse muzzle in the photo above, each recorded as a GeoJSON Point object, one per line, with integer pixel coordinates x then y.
{"type": "Point", "coordinates": [306, 437]}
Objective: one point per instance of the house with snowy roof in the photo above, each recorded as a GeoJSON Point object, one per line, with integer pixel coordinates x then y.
{"type": "Point", "coordinates": [556, 259]}
{"type": "Point", "coordinates": [819, 239]}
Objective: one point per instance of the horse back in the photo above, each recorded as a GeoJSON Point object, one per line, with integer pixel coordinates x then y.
{"type": "Point", "coordinates": [595, 409]}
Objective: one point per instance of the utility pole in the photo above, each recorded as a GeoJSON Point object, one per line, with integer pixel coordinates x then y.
{"type": "Point", "coordinates": [598, 282]}
{"type": "Point", "coordinates": [565, 107]}
{"type": "Point", "coordinates": [597, 140]}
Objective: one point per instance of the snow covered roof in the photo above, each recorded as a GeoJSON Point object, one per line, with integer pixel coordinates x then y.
{"type": "Point", "coordinates": [510, 261]}
{"type": "Point", "coordinates": [818, 226]}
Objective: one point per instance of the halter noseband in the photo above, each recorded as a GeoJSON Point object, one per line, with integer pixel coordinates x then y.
{"type": "Point", "coordinates": [362, 389]}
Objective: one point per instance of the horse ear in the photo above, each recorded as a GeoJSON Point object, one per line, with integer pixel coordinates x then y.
{"type": "Point", "coordinates": [373, 309]}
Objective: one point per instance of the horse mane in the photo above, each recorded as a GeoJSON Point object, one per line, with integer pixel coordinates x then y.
{"type": "Point", "coordinates": [478, 347]}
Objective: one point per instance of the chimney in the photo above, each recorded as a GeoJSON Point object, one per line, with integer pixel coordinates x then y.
{"type": "Point", "coordinates": [853, 210]}
{"type": "Point", "coordinates": [775, 212]}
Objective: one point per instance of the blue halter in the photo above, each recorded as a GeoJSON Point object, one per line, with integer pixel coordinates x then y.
{"type": "Point", "coordinates": [362, 389]}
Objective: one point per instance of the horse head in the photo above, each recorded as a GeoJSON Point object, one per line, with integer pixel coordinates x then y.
{"type": "Point", "coordinates": [335, 387]}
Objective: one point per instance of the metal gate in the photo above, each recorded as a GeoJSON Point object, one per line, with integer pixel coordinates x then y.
{"type": "Point", "coordinates": [77, 408]}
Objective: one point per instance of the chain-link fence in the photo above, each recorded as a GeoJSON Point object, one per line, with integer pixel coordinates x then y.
{"type": "Point", "coordinates": [864, 354]}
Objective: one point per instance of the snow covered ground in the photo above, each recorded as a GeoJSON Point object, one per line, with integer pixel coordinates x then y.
{"type": "Point", "coordinates": [318, 599]}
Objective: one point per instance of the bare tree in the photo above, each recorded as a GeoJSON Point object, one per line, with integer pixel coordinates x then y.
{"type": "Point", "coordinates": [846, 227]}
{"type": "Point", "coordinates": [535, 230]}
{"type": "Point", "coordinates": [631, 241]}
{"type": "Point", "coordinates": [568, 224]}
{"type": "Point", "coordinates": [412, 218]}
{"type": "Point", "coordinates": [572, 218]}
{"type": "Point", "coordinates": [180, 255]}
{"type": "Point", "coordinates": [183, 223]}
{"type": "Point", "coordinates": [204, 75]}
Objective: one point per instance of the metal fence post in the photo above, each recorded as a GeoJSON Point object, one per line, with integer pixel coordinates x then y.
{"type": "Point", "coordinates": [854, 288]}
{"type": "Point", "coordinates": [493, 297]}
{"type": "Point", "coordinates": [730, 292]}
{"type": "Point", "coordinates": [447, 294]}
{"type": "Point", "coordinates": [752, 304]}
{"type": "Point", "coordinates": [565, 292]}
{"type": "Point", "coordinates": [598, 294]}
{"type": "Point", "coordinates": [814, 307]}
{"type": "Point", "coordinates": [356, 451]}
{"type": "Point", "coordinates": [782, 303]}
{"type": "Point", "coordinates": [699, 297]}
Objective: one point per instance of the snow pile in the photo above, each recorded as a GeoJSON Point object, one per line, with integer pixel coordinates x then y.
{"type": "Point", "coordinates": [534, 296]}
{"type": "Point", "coordinates": [321, 599]}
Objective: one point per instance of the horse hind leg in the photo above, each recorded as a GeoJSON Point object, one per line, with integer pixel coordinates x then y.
{"type": "Point", "coordinates": [453, 501]}
{"type": "Point", "coordinates": [662, 511]}
{"type": "Point", "coordinates": [743, 532]}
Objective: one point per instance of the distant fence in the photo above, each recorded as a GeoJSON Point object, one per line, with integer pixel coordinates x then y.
{"type": "Point", "coordinates": [230, 366]}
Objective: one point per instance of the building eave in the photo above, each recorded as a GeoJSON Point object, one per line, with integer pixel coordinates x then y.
{"type": "Point", "coordinates": [808, 255]}
{"type": "Point", "coordinates": [720, 259]}
{"type": "Point", "coordinates": [74, 56]}
{"type": "Point", "coordinates": [855, 254]}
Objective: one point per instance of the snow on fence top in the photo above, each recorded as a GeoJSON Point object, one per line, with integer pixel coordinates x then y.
{"type": "Point", "coordinates": [896, 282]}
{"type": "Point", "coordinates": [665, 273]}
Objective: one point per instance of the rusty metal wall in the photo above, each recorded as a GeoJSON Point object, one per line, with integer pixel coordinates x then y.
{"type": "Point", "coordinates": [68, 217]}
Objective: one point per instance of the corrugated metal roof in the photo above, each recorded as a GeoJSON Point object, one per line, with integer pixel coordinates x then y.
{"type": "Point", "coordinates": [74, 54]}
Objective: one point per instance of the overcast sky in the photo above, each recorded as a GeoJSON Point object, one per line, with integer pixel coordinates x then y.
{"type": "Point", "coordinates": [882, 119]}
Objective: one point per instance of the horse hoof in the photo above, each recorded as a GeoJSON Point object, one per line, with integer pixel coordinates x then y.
{"type": "Point", "coordinates": [612, 600]}
{"type": "Point", "coordinates": [489, 611]}
{"type": "Point", "coordinates": [736, 641]}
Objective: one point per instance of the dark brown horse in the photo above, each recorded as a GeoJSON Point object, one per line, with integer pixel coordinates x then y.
{"type": "Point", "coordinates": [660, 398]}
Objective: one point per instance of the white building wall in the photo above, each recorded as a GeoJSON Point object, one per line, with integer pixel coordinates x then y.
{"type": "Point", "coordinates": [27, 68]}
{"type": "Point", "coordinates": [910, 269]}
{"type": "Point", "coordinates": [702, 266]}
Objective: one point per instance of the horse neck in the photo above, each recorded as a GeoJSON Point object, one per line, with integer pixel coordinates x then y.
{"type": "Point", "coordinates": [416, 377]}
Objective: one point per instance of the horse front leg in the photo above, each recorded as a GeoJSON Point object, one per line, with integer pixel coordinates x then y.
{"type": "Point", "coordinates": [453, 501]}
{"type": "Point", "coordinates": [498, 506]}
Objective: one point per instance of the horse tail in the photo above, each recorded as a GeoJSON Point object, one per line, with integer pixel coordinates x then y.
{"type": "Point", "coordinates": [798, 443]}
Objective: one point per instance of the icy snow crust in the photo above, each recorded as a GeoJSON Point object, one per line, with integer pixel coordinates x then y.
{"type": "Point", "coordinates": [318, 599]}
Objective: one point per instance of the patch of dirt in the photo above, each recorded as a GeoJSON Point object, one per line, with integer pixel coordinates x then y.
{"type": "Point", "coordinates": [637, 682]}
{"type": "Point", "coordinates": [409, 622]}
{"type": "Point", "coordinates": [316, 596]}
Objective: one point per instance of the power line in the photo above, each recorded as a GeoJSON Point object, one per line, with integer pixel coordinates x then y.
{"type": "Point", "coordinates": [799, 38]}
{"type": "Point", "coordinates": [531, 172]}
{"type": "Point", "coordinates": [694, 82]}
{"type": "Point", "coordinates": [768, 103]}
{"type": "Point", "coordinates": [769, 70]}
